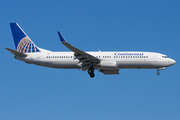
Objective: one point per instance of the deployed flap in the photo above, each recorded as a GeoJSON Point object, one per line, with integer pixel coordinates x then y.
{"type": "Point", "coordinates": [16, 53]}
{"type": "Point", "coordinates": [82, 56]}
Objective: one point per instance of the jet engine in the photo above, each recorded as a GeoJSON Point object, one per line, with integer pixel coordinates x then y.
{"type": "Point", "coordinates": [110, 71]}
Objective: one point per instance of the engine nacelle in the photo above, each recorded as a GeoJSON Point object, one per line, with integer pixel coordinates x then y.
{"type": "Point", "coordinates": [108, 64]}
{"type": "Point", "coordinates": [110, 71]}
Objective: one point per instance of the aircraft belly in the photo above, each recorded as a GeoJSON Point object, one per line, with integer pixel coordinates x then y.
{"type": "Point", "coordinates": [134, 64]}
{"type": "Point", "coordinates": [60, 64]}
{"type": "Point", "coordinates": [141, 64]}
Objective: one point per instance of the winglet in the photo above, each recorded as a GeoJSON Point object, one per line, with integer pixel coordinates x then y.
{"type": "Point", "coordinates": [61, 38]}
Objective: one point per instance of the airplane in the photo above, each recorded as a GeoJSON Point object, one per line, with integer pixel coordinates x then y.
{"type": "Point", "coordinates": [106, 62]}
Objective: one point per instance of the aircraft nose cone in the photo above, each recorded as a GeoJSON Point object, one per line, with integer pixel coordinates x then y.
{"type": "Point", "coordinates": [172, 62]}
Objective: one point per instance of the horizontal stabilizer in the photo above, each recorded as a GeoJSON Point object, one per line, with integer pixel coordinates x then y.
{"type": "Point", "coordinates": [16, 53]}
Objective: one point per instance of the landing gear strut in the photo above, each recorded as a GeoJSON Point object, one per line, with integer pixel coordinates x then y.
{"type": "Point", "coordinates": [91, 71]}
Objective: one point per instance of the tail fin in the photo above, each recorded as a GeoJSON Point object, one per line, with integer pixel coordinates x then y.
{"type": "Point", "coordinates": [22, 42]}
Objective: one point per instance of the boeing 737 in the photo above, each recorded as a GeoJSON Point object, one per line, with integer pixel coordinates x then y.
{"type": "Point", "coordinates": [106, 62]}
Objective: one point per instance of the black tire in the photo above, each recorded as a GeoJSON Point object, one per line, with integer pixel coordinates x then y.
{"type": "Point", "coordinates": [92, 75]}
{"type": "Point", "coordinates": [90, 71]}
{"type": "Point", "coordinates": [158, 73]}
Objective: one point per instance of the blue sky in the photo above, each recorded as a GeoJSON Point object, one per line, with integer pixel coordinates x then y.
{"type": "Point", "coordinates": [32, 92]}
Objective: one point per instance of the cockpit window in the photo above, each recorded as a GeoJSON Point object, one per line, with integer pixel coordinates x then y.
{"type": "Point", "coordinates": [165, 56]}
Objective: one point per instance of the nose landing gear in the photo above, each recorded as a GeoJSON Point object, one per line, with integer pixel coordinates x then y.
{"type": "Point", "coordinates": [162, 68]}
{"type": "Point", "coordinates": [158, 73]}
{"type": "Point", "coordinates": [91, 71]}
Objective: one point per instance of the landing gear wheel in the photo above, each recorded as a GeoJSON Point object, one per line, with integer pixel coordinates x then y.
{"type": "Point", "coordinates": [91, 72]}
{"type": "Point", "coordinates": [92, 75]}
{"type": "Point", "coordinates": [158, 73]}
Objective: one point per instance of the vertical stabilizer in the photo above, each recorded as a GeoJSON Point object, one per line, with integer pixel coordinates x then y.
{"type": "Point", "coordinates": [22, 42]}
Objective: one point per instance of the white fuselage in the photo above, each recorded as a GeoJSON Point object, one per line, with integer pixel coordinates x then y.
{"type": "Point", "coordinates": [109, 60]}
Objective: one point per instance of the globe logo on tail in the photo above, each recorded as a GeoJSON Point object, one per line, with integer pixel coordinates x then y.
{"type": "Point", "coordinates": [27, 46]}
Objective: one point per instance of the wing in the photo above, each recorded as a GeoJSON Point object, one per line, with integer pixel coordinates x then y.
{"type": "Point", "coordinates": [83, 57]}
{"type": "Point", "coordinates": [16, 53]}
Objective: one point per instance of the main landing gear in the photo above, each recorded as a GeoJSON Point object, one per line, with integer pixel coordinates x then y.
{"type": "Point", "coordinates": [91, 71]}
